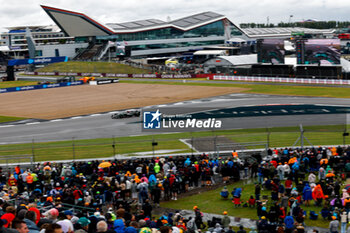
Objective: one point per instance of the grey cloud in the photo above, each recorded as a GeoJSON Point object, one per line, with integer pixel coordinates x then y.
{"type": "Point", "coordinates": [28, 12]}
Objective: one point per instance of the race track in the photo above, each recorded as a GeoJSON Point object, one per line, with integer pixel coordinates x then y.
{"type": "Point", "coordinates": [102, 126]}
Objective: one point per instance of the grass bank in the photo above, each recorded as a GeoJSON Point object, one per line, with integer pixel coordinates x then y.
{"type": "Point", "coordinates": [8, 84]}
{"type": "Point", "coordinates": [4, 119]}
{"type": "Point", "coordinates": [207, 200]}
{"type": "Point", "coordinates": [107, 147]}
{"type": "Point", "coordinates": [92, 67]}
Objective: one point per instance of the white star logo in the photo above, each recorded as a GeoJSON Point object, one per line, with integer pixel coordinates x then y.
{"type": "Point", "coordinates": [156, 115]}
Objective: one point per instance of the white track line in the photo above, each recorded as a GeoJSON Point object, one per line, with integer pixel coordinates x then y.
{"type": "Point", "coordinates": [32, 123]}
{"type": "Point", "coordinates": [5, 126]}
{"type": "Point", "coordinates": [56, 120]}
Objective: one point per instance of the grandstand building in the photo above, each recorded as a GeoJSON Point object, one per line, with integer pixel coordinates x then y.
{"type": "Point", "coordinates": [15, 44]}
{"type": "Point", "coordinates": [78, 36]}
{"type": "Point", "coordinates": [147, 37]}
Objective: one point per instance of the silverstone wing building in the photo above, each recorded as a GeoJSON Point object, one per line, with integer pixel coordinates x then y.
{"type": "Point", "coordinates": [151, 36]}
{"type": "Point", "coordinates": [78, 36]}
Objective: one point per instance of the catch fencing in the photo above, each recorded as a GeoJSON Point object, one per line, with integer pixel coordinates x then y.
{"type": "Point", "coordinates": [281, 80]}
{"type": "Point", "coordinates": [76, 148]}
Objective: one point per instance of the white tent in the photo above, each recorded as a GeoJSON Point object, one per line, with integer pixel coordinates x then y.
{"type": "Point", "coordinates": [241, 59]}
{"type": "Point", "coordinates": [4, 48]}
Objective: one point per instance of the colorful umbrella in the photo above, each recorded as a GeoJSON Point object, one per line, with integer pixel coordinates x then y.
{"type": "Point", "coordinates": [104, 164]}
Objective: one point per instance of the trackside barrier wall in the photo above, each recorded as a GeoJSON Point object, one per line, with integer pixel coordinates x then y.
{"type": "Point", "coordinates": [41, 86]}
{"type": "Point", "coordinates": [122, 75]}
{"type": "Point", "coordinates": [280, 80]}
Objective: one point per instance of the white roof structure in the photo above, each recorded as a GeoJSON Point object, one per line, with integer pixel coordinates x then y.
{"type": "Point", "coordinates": [186, 23]}
{"type": "Point", "coordinates": [345, 65]}
{"type": "Point", "coordinates": [241, 59]}
{"type": "Point", "coordinates": [278, 31]}
{"type": "Point", "coordinates": [210, 52]}
{"type": "Point", "coordinates": [4, 48]}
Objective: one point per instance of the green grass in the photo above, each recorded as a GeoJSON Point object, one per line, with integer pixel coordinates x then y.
{"type": "Point", "coordinates": [209, 199]}
{"type": "Point", "coordinates": [97, 148]}
{"type": "Point", "coordinates": [92, 67]}
{"type": "Point", "coordinates": [17, 84]}
{"type": "Point", "coordinates": [315, 91]}
{"type": "Point", "coordinates": [4, 119]}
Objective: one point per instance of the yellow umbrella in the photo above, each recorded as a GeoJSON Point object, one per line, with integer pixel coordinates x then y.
{"type": "Point", "coordinates": [105, 164]}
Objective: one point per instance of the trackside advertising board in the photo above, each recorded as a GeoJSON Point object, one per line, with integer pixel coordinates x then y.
{"type": "Point", "coordinates": [180, 76]}
{"type": "Point", "coordinates": [41, 86]}
{"type": "Point", "coordinates": [37, 61]}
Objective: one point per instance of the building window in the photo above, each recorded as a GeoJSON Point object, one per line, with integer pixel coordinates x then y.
{"type": "Point", "coordinates": [38, 53]}
{"type": "Point", "coordinates": [212, 29]}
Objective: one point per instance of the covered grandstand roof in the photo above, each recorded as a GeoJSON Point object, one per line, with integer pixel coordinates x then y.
{"type": "Point", "coordinates": [278, 31]}
{"type": "Point", "coordinates": [193, 20]}
{"type": "Point", "coordinates": [78, 24]}
{"type": "Point", "coordinates": [185, 23]}
{"type": "Point", "coordinates": [136, 24]}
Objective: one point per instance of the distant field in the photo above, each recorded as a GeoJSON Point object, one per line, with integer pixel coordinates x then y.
{"type": "Point", "coordinates": [92, 67]}
{"type": "Point", "coordinates": [16, 83]}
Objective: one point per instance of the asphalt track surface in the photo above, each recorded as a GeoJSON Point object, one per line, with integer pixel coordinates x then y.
{"type": "Point", "coordinates": [102, 126]}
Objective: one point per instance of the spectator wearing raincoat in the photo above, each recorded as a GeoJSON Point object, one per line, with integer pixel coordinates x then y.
{"type": "Point", "coordinates": [317, 194]}
{"type": "Point", "coordinates": [307, 194]}
{"type": "Point", "coordinates": [156, 168]}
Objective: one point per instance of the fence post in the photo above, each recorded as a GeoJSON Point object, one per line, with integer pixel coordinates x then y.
{"type": "Point", "coordinates": [302, 137]}
{"type": "Point", "coordinates": [344, 135]}
{"type": "Point", "coordinates": [268, 137]}
{"type": "Point", "coordinates": [33, 155]}
{"type": "Point", "coordinates": [113, 145]}
{"type": "Point", "coordinates": [191, 144]}
{"type": "Point", "coordinates": [73, 145]}
{"type": "Point", "coordinates": [215, 147]}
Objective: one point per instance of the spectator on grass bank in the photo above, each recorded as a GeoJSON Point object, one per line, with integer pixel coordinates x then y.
{"type": "Point", "coordinates": [87, 185]}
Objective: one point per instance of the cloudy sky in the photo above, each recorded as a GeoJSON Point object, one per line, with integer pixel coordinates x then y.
{"type": "Point", "coordinates": [29, 12]}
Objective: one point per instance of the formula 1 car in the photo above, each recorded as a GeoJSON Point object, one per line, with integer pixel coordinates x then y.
{"type": "Point", "coordinates": [126, 114]}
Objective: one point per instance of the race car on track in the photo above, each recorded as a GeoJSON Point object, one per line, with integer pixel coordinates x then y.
{"type": "Point", "coordinates": [126, 114]}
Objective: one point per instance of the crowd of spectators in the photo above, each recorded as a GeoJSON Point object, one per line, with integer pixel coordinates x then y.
{"type": "Point", "coordinates": [121, 195]}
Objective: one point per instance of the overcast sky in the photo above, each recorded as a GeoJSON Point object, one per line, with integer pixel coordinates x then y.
{"type": "Point", "coordinates": [29, 12]}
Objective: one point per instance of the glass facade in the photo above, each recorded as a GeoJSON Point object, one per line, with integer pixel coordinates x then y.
{"type": "Point", "coordinates": [212, 29]}
{"type": "Point", "coordinates": [235, 31]}
{"type": "Point", "coordinates": [201, 35]}
{"type": "Point", "coordinates": [176, 45]}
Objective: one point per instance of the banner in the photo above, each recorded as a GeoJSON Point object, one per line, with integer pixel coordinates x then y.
{"type": "Point", "coordinates": [41, 86]}
{"type": "Point", "coordinates": [37, 61]}
{"type": "Point", "coordinates": [103, 81]}
{"type": "Point", "coordinates": [121, 75]}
